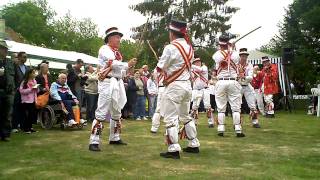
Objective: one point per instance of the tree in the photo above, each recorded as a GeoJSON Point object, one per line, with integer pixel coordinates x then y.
{"type": "Point", "coordinates": [76, 35]}
{"type": "Point", "coordinates": [205, 19]}
{"type": "Point", "coordinates": [32, 19]}
{"type": "Point", "coordinates": [300, 31]}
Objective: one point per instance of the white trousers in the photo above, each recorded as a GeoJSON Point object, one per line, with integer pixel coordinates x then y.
{"type": "Point", "coordinates": [156, 116]}
{"type": "Point", "coordinates": [249, 93]}
{"type": "Point", "coordinates": [175, 105]}
{"type": "Point", "coordinates": [105, 106]}
{"type": "Point", "coordinates": [197, 96]}
{"type": "Point", "coordinates": [268, 98]}
{"type": "Point", "coordinates": [228, 91]}
{"type": "Point", "coordinates": [259, 98]}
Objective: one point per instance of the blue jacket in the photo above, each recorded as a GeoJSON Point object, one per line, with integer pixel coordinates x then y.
{"type": "Point", "coordinates": [56, 88]}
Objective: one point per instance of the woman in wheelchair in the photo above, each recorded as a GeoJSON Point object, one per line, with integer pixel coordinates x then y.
{"type": "Point", "coordinates": [61, 92]}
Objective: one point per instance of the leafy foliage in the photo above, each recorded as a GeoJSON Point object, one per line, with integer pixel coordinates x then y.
{"type": "Point", "coordinates": [205, 19]}
{"type": "Point", "coordinates": [300, 31]}
{"type": "Point", "coordinates": [35, 21]}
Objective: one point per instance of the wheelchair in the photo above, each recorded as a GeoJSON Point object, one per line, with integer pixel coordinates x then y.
{"type": "Point", "coordinates": [52, 114]}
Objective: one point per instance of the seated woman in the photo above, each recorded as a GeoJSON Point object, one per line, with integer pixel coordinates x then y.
{"type": "Point", "coordinates": [60, 91]}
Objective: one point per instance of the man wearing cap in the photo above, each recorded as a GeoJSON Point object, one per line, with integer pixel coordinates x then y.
{"type": "Point", "coordinates": [200, 90]}
{"type": "Point", "coordinates": [227, 88]}
{"type": "Point", "coordinates": [245, 78]}
{"type": "Point", "coordinates": [112, 95]}
{"type": "Point", "coordinates": [6, 91]}
{"type": "Point", "coordinates": [270, 85]}
{"type": "Point", "coordinates": [175, 63]}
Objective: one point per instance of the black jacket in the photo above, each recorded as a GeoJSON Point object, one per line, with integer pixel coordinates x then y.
{"type": "Point", "coordinates": [18, 78]}
{"type": "Point", "coordinates": [40, 80]}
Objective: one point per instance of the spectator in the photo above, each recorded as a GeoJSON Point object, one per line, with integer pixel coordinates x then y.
{"type": "Point", "coordinates": [139, 109]}
{"type": "Point", "coordinates": [76, 80]}
{"type": "Point", "coordinates": [144, 80]}
{"type": "Point", "coordinates": [61, 92]}
{"type": "Point", "coordinates": [6, 91]}
{"type": "Point", "coordinates": [145, 71]}
{"type": "Point", "coordinates": [131, 93]}
{"type": "Point", "coordinates": [14, 57]}
{"type": "Point", "coordinates": [28, 90]}
{"type": "Point", "coordinates": [91, 92]}
{"type": "Point", "coordinates": [20, 70]}
{"type": "Point", "coordinates": [152, 95]}
{"type": "Point", "coordinates": [43, 78]}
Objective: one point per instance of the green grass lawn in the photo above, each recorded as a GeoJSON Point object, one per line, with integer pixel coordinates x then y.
{"type": "Point", "coordinates": [287, 147]}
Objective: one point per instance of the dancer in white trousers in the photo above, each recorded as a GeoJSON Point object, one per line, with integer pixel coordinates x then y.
{"type": "Point", "coordinates": [256, 83]}
{"type": "Point", "coordinates": [228, 88]}
{"type": "Point", "coordinates": [156, 116]}
{"type": "Point", "coordinates": [175, 63]}
{"type": "Point", "coordinates": [270, 84]}
{"type": "Point", "coordinates": [112, 95]}
{"type": "Point", "coordinates": [201, 91]}
{"type": "Point", "coordinates": [245, 77]}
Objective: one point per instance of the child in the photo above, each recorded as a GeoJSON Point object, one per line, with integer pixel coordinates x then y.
{"type": "Point", "coordinates": [28, 90]}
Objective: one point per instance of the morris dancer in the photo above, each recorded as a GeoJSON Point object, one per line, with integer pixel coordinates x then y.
{"type": "Point", "coordinates": [228, 88]}
{"type": "Point", "coordinates": [175, 63]}
{"type": "Point", "coordinates": [245, 77]}
{"type": "Point", "coordinates": [200, 91]}
{"type": "Point", "coordinates": [112, 95]}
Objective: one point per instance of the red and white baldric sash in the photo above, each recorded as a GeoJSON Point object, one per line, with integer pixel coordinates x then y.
{"type": "Point", "coordinates": [187, 63]}
{"type": "Point", "coordinates": [226, 62]}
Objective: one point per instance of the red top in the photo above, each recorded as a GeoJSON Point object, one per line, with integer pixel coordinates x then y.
{"type": "Point", "coordinates": [257, 80]}
{"type": "Point", "coordinates": [270, 80]}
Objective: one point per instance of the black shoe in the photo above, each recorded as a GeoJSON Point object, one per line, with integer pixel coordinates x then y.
{"type": "Point", "coordinates": [220, 134]}
{"type": "Point", "coordinates": [256, 126]}
{"type": "Point", "coordinates": [5, 139]}
{"type": "Point", "coordinates": [211, 126]}
{"type": "Point", "coordinates": [191, 149]}
{"type": "Point", "coordinates": [173, 155]}
{"type": "Point", "coordinates": [153, 132]}
{"type": "Point", "coordinates": [120, 142]}
{"type": "Point", "coordinates": [240, 135]}
{"type": "Point", "coordinates": [94, 147]}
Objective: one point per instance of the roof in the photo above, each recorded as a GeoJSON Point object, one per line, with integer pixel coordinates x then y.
{"type": "Point", "coordinates": [255, 54]}
{"type": "Point", "coordinates": [58, 59]}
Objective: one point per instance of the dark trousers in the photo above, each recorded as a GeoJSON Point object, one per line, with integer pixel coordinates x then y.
{"type": "Point", "coordinates": [213, 102]}
{"type": "Point", "coordinates": [29, 115]}
{"type": "Point", "coordinates": [92, 101]}
{"type": "Point", "coordinates": [17, 116]}
{"type": "Point", "coordinates": [68, 103]}
{"type": "Point", "coordinates": [6, 102]}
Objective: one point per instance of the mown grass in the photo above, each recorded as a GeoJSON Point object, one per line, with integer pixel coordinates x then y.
{"type": "Point", "coordinates": [287, 147]}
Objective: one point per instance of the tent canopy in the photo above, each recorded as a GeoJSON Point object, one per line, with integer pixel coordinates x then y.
{"type": "Point", "coordinates": [58, 59]}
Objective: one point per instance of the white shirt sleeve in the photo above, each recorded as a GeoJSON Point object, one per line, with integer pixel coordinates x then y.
{"type": "Point", "coordinates": [164, 60]}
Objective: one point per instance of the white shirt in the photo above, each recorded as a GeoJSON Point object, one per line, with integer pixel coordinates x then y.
{"type": "Point", "coordinates": [152, 87]}
{"type": "Point", "coordinates": [172, 60]}
{"type": "Point", "coordinates": [224, 73]}
{"type": "Point", "coordinates": [248, 74]}
{"type": "Point", "coordinates": [200, 77]}
{"type": "Point", "coordinates": [118, 67]}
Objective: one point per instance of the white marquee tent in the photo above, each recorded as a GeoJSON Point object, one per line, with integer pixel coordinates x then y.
{"type": "Point", "coordinates": [57, 59]}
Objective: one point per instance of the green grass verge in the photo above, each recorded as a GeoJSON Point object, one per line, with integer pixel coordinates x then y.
{"type": "Point", "coordinates": [287, 147]}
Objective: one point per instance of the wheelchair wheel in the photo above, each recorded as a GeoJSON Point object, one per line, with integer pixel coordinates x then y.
{"type": "Point", "coordinates": [46, 117]}
{"type": "Point", "coordinates": [62, 126]}
{"type": "Point", "coordinates": [80, 126]}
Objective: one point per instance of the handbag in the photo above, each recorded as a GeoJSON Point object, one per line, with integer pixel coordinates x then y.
{"type": "Point", "coordinates": [42, 100]}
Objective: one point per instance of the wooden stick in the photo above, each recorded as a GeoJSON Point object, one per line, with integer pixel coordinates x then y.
{"type": "Point", "coordinates": [153, 51]}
